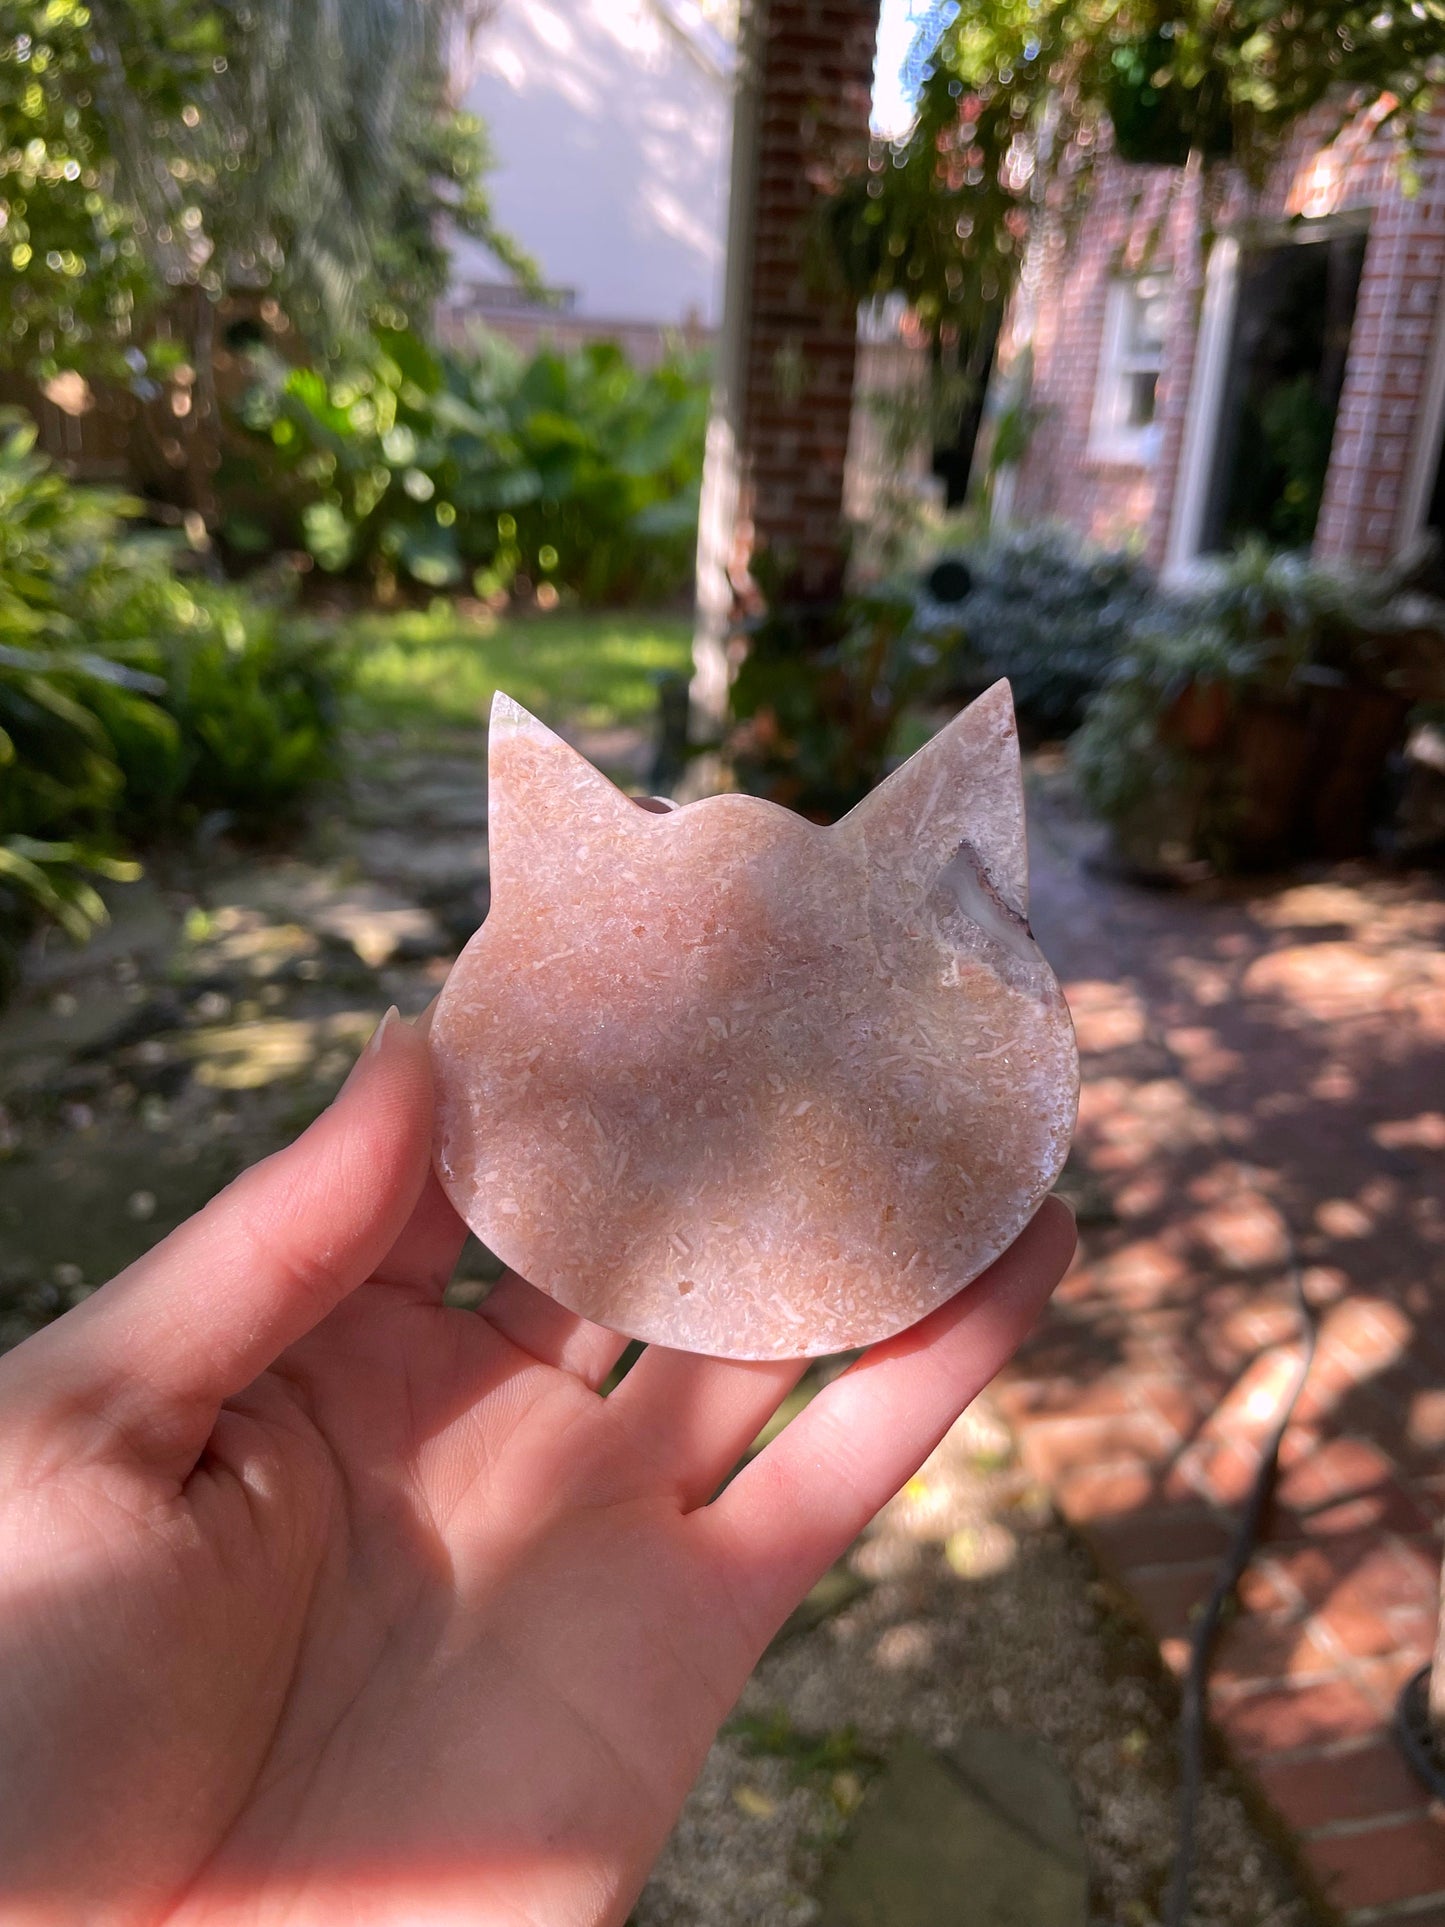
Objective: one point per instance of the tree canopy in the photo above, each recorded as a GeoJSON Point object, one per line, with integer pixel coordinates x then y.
{"type": "Point", "coordinates": [145, 144]}
{"type": "Point", "coordinates": [1020, 93]}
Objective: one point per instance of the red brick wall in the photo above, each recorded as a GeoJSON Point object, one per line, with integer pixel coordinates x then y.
{"type": "Point", "coordinates": [1148, 216]}
{"type": "Point", "coordinates": [816, 74]}
{"type": "Point", "coordinates": [1382, 424]}
{"type": "Point", "coordinates": [1123, 231]}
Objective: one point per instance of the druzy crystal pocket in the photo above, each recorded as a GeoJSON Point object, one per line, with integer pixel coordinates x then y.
{"type": "Point", "coordinates": [726, 1080]}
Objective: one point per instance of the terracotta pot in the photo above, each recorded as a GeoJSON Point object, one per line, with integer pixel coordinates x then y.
{"type": "Point", "coordinates": [1310, 772]}
{"type": "Point", "coordinates": [1198, 718]}
{"type": "Point", "coordinates": [1353, 734]}
{"type": "Point", "coordinates": [1271, 758]}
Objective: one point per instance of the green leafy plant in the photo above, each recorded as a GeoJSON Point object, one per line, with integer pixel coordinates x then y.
{"type": "Point", "coordinates": [818, 700]}
{"type": "Point", "coordinates": [248, 698]}
{"type": "Point", "coordinates": [1045, 609]}
{"type": "Point", "coordinates": [826, 694]}
{"type": "Point", "coordinates": [132, 700]}
{"type": "Point", "coordinates": [443, 467]}
{"type": "Point", "coordinates": [772, 1735]}
{"type": "Point", "coordinates": [152, 146]}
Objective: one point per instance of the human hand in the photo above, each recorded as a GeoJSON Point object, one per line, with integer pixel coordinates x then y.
{"type": "Point", "coordinates": [323, 1602]}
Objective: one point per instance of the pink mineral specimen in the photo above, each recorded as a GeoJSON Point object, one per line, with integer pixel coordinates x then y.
{"type": "Point", "coordinates": [726, 1080]}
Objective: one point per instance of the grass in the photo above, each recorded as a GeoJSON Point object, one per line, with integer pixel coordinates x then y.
{"type": "Point", "coordinates": [438, 667]}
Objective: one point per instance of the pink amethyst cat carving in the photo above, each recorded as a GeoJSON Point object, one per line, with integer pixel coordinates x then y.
{"type": "Point", "coordinates": [726, 1080]}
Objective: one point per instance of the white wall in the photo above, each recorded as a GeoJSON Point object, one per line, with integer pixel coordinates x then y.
{"type": "Point", "coordinates": [609, 120]}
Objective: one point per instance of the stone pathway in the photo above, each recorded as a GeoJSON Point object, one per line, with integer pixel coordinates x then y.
{"type": "Point", "coordinates": [964, 1679]}
{"type": "Point", "coordinates": [220, 1010]}
{"type": "Point", "coordinates": [1264, 1084]}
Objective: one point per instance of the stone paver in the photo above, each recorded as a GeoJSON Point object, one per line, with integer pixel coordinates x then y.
{"type": "Point", "coordinates": [1264, 1086]}
{"type": "Point", "coordinates": [985, 1838]}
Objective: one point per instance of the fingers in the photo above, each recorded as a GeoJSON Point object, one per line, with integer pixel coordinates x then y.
{"type": "Point", "coordinates": [695, 1417]}
{"type": "Point", "coordinates": [147, 1362]}
{"type": "Point", "coordinates": [422, 1260]}
{"type": "Point", "coordinates": [801, 1503]}
{"type": "Point", "coordinates": [548, 1332]}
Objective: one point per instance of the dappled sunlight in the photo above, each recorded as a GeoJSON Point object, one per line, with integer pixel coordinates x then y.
{"type": "Point", "coordinates": [1206, 1059]}
{"type": "Point", "coordinates": [971, 1617]}
{"type": "Point", "coordinates": [1326, 981]}
{"type": "Point", "coordinates": [1124, 1124]}
{"type": "Point", "coordinates": [237, 937]}
{"type": "Point", "coordinates": [981, 1552]}
{"type": "Point", "coordinates": [1242, 1230]}
{"type": "Point", "coordinates": [420, 670]}
{"type": "Point", "coordinates": [905, 1648]}
{"type": "Point", "coordinates": [1342, 1218]}
{"type": "Point", "coordinates": [1270, 1102]}
{"type": "Point", "coordinates": [245, 1057]}
{"type": "Point", "coordinates": [1425, 1132]}
{"type": "Point", "coordinates": [1107, 1016]}
{"type": "Point", "coordinates": [548, 80]}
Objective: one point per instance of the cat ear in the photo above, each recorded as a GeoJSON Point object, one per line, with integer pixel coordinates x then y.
{"type": "Point", "coordinates": [539, 791]}
{"type": "Point", "coordinates": [965, 786]}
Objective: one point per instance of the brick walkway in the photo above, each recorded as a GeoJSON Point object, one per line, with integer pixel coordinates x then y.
{"type": "Point", "coordinates": [1264, 1075]}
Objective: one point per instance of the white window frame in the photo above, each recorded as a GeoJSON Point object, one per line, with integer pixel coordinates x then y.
{"type": "Point", "coordinates": [1183, 562]}
{"type": "Point", "coordinates": [1427, 451]}
{"type": "Point", "coordinates": [1111, 436]}
{"type": "Point", "coordinates": [1184, 565]}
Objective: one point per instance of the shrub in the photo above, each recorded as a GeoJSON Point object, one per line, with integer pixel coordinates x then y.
{"type": "Point", "coordinates": [444, 467]}
{"type": "Point", "coordinates": [821, 701]}
{"type": "Point", "coordinates": [251, 697]}
{"type": "Point", "coordinates": [1042, 608]}
{"type": "Point", "coordinates": [818, 700]}
{"type": "Point", "coordinates": [131, 700]}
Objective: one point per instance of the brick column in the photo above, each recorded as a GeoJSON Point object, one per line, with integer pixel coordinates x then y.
{"type": "Point", "coordinates": [784, 397]}
{"type": "Point", "coordinates": [815, 76]}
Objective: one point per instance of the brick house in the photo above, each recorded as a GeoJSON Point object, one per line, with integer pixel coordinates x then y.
{"type": "Point", "coordinates": [1285, 379]}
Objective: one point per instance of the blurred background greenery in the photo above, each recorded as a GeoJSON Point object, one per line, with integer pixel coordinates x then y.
{"type": "Point", "coordinates": [224, 233]}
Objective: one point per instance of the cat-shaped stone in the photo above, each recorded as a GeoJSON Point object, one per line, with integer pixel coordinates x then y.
{"type": "Point", "coordinates": [726, 1080]}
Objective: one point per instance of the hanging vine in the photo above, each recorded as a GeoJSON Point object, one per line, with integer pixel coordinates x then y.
{"type": "Point", "coordinates": [1022, 95]}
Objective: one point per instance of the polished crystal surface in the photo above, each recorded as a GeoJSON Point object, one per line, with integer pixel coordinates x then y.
{"type": "Point", "coordinates": [726, 1080]}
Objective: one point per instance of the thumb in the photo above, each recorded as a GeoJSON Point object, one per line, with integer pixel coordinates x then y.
{"type": "Point", "coordinates": [146, 1363]}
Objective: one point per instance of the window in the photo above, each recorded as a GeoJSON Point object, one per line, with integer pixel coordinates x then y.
{"type": "Point", "coordinates": [1124, 428]}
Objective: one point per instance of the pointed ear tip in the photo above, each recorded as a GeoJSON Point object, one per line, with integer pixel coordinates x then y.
{"type": "Point", "coordinates": [998, 695]}
{"type": "Point", "coordinates": [508, 718]}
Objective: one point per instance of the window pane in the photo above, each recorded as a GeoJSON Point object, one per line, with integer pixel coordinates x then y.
{"type": "Point", "coordinates": [1139, 398]}
{"type": "Point", "coordinates": [1148, 316]}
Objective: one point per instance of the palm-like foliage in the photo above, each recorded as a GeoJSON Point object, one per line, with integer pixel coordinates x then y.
{"type": "Point", "coordinates": [310, 146]}
{"type": "Point", "coordinates": [131, 699]}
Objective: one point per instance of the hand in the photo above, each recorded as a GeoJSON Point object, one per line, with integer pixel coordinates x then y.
{"type": "Point", "coordinates": [322, 1602]}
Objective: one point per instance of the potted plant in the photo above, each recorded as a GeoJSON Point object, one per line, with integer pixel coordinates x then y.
{"type": "Point", "coordinates": [1252, 725]}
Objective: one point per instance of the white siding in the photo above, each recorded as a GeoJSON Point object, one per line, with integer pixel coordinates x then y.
{"type": "Point", "coordinates": [610, 127]}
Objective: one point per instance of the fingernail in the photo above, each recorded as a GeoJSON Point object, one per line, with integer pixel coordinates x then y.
{"type": "Point", "coordinates": [378, 1037]}
{"type": "Point", "coordinates": [374, 1044]}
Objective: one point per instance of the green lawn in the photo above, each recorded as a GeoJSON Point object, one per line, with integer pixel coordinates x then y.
{"type": "Point", "coordinates": [432, 667]}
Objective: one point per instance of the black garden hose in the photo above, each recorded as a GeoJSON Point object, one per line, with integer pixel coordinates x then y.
{"type": "Point", "coordinates": [1232, 1567]}
{"type": "Point", "coordinates": [1412, 1730]}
